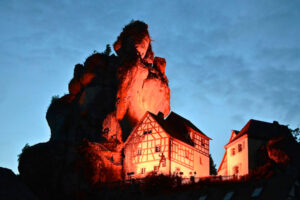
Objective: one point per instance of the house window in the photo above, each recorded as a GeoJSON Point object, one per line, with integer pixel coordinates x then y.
{"type": "Point", "coordinates": [175, 147]}
{"type": "Point", "coordinates": [139, 152]}
{"type": "Point", "coordinates": [155, 168]}
{"type": "Point", "coordinates": [186, 153]}
{"type": "Point", "coordinates": [233, 151]}
{"type": "Point", "coordinates": [236, 170]}
{"type": "Point", "coordinates": [202, 142]}
{"type": "Point", "coordinates": [157, 149]}
{"type": "Point", "coordinates": [145, 132]}
{"type": "Point", "coordinates": [149, 131]}
{"type": "Point", "coordinates": [240, 147]}
{"type": "Point", "coordinates": [143, 170]}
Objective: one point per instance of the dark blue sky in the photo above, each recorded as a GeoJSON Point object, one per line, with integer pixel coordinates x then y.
{"type": "Point", "coordinates": [227, 61]}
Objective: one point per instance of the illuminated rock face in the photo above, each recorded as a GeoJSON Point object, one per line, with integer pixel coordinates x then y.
{"type": "Point", "coordinates": [109, 94]}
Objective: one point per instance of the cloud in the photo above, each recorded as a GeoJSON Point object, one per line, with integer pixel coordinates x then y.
{"type": "Point", "coordinates": [288, 58]}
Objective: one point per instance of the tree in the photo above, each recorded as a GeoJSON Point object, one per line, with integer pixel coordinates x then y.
{"type": "Point", "coordinates": [107, 51]}
{"type": "Point", "coordinates": [212, 166]}
{"type": "Point", "coordinates": [25, 148]}
{"type": "Point", "coordinates": [54, 98]}
{"type": "Point", "coordinates": [296, 134]}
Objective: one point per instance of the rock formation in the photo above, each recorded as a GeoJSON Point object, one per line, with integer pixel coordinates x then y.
{"type": "Point", "coordinates": [108, 95]}
{"type": "Point", "coordinates": [12, 188]}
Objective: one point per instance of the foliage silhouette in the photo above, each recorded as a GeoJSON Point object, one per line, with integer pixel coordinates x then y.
{"type": "Point", "coordinates": [296, 134]}
{"type": "Point", "coordinates": [212, 166]}
{"type": "Point", "coordinates": [24, 149]}
{"type": "Point", "coordinates": [107, 51]}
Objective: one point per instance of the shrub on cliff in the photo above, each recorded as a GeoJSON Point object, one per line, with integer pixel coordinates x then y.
{"type": "Point", "coordinates": [93, 165]}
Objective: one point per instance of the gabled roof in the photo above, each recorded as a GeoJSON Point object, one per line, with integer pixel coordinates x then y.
{"type": "Point", "coordinates": [234, 133]}
{"type": "Point", "coordinates": [178, 127]}
{"type": "Point", "coordinates": [224, 159]}
{"type": "Point", "coordinates": [263, 130]}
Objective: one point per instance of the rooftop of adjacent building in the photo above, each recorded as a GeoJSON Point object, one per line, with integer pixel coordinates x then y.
{"type": "Point", "coordinates": [262, 130]}
{"type": "Point", "coordinates": [177, 126]}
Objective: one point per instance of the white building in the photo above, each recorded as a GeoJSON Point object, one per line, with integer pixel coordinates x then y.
{"type": "Point", "coordinates": [166, 146]}
{"type": "Point", "coordinates": [242, 152]}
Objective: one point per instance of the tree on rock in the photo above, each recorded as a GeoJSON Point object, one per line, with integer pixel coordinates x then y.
{"type": "Point", "coordinates": [107, 51]}
{"type": "Point", "coordinates": [212, 166]}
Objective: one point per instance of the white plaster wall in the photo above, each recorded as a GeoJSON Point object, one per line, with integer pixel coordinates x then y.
{"type": "Point", "coordinates": [240, 158]}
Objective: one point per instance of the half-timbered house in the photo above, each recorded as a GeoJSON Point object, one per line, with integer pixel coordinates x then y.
{"type": "Point", "coordinates": [170, 146]}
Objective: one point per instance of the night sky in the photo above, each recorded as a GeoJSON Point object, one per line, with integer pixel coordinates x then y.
{"type": "Point", "coordinates": [227, 61]}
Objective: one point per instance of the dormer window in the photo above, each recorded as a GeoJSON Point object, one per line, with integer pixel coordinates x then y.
{"type": "Point", "coordinates": [147, 132]}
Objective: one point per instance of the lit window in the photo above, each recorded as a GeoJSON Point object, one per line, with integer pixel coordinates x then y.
{"type": "Point", "coordinates": [143, 170]}
{"type": "Point", "coordinates": [175, 147]}
{"type": "Point", "coordinates": [233, 151]}
{"type": "Point", "coordinates": [157, 149]}
{"type": "Point", "coordinates": [236, 170]}
{"type": "Point", "coordinates": [228, 195]}
{"type": "Point", "coordinates": [240, 147]}
{"type": "Point", "coordinates": [202, 142]}
{"type": "Point", "coordinates": [256, 192]}
{"type": "Point", "coordinates": [186, 153]}
{"type": "Point", "coordinates": [139, 152]}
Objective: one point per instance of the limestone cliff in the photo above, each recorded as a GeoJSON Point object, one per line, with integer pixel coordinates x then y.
{"type": "Point", "coordinates": [108, 95]}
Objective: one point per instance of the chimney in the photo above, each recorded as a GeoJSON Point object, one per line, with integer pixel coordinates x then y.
{"type": "Point", "coordinates": [160, 115]}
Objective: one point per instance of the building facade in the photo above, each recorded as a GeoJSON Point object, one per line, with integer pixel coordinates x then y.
{"type": "Point", "coordinates": [171, 146]}
{"type": "Point", "coordinates": [243, 151]}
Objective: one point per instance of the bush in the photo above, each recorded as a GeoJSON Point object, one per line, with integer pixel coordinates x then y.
{"type": "Point", "coordinates": [24, 149]}
{"type": "Point", "coordinates": [54, 99]}
{"type": "Point", "coordinates": [158, 184]}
